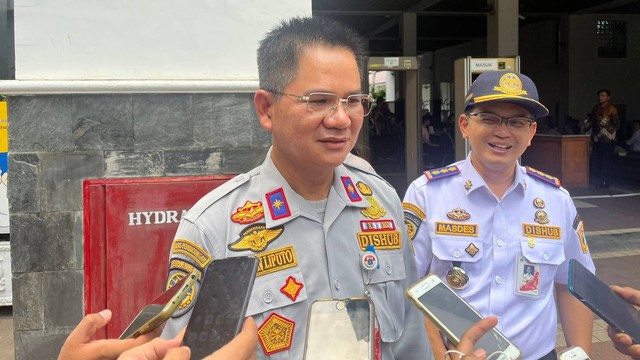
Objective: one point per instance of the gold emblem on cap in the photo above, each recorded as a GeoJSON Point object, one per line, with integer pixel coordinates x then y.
{"type": "Point", "coordinates": [468, 184]}
{"type": "Point", "coordinates": [539, 203]}
{"type": "Point", "coordinates": [541, 217]}
{"type": "Point", "coordinates": [458, 214]}
{"type": "Point", "coordinates": [510, 84]}
{"type": "Point", "coordinates": [472, 250]}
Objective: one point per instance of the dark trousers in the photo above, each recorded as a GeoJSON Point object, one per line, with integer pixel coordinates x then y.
{"type": "Point", "coordinates": [552, 355]}
{"type": "Point", "coordinates": [601, 158]}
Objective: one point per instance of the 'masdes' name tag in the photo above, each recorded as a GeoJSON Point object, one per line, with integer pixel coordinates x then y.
{"type": "Point", "coordinates": [381, 240]}
{"type": "Point", "coordinates": [541, 231]}
{"type": "Point", "coordinates": [446, 228]}
{"type": "Point", "coordinates": [276, 260]}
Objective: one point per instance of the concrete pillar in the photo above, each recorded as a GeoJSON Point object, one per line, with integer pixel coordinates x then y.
{"type": "Point", "coordinates": [502, 28]}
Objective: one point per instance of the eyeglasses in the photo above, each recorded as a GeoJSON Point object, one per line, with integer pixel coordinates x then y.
{"type": "Point", "coordinates": [493, 120]}
{"type": "Point", "coordinates": [356, 105]}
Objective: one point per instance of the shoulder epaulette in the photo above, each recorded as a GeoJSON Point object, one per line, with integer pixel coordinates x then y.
{"type": "Point", "coordinates": [219, 192]}
{"type": "Point", "coordinates": [442, 172]}
{"type": "Point", "coordinates": [542, 176]}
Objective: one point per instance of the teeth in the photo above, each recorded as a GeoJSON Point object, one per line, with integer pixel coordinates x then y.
{"type": "Point", "coordinates": [504, 147]}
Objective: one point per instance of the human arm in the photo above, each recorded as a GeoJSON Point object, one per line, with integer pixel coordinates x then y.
{"type": "Point", "coordinates": [622, 341]}
{"type": "Point", "coordinates": [471, 337]}
{"type": "Point", "coordinates": [80, 346]}
{"type": "Point", "coordinates": [576, 319]}
{"type": "Point", "coordinates": [242, 347]}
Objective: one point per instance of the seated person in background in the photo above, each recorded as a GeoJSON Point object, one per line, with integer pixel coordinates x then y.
{"type": "Point", "coordinates": [634, 141]}
{"type": "Point", "coordinates": [426, 124]}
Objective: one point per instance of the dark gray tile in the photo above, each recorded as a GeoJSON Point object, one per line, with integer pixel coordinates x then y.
{"type": "Point", "coordinates": [102, 122]}
{"type": "Point", "coordinates": [40, 123]}
{"type": "Point", "coordinates": [63, 301]}
{"type": "Point", "coordinates": [193, 162]}
{"type": "Point", "coordinates": [28, 305]}
{"type": "Point", "coordinates": [62, 175]}
{"type": "Point", "coordinates": [242, 160]}
{"type": "Point", "coordinates": [40, 345]}
{"type": "Point", "coordinates": [224, 120]}
{"type": "Point", "coordinates": [134, 163]}
{"type": "Point", "coordinates": [162, 121]}
{"type": "Point", "coordinates": [43, 242]}
{"type": "Point", "coordinates": [23, 189]}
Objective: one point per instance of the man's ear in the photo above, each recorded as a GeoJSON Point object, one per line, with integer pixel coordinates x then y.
{"type": "Point", "coordinates": [263, 101]}
{"type": "Point", "coordinates": [532, 131]}
{"type": "Point", "coordinates": [463, 122]}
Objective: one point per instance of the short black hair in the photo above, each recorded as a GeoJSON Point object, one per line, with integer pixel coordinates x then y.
{"type": "Point", "coordinates": [280, 50]}
{"type": "Point", "coordinates": [604, 91]}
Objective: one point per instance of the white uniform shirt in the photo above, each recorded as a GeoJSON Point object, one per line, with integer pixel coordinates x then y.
{"type": "Point", "coordinates": [496, 236]}
{"type": "Point", "coordinates": [322, 254]}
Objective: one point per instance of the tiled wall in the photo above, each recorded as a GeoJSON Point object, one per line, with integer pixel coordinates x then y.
{"type": "Point", "coordinates": [57, 141]}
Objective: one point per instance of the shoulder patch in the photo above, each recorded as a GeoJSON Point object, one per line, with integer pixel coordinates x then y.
{"type": "Point", "coordinates": [551, 180]}
{"type": "Point", "coordinates": [442, 172]}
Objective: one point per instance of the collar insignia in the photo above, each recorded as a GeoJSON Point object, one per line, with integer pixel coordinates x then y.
{"type": "Point", "coordinates": [278, 205]}
{"type": "Point", "coordinates": [468, 185]}
{"type": "Point", "coordinates": [350, 188]}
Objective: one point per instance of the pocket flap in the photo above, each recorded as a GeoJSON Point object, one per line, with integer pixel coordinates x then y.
{"type": "Point", "coordinates": [266, 294]}
{"type": "Point", "coordinates": [453, 248]}
{"type": "Point", "coordinates": [544, 251]}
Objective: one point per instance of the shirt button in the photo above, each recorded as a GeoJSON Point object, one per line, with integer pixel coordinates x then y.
{"type": "Point", "coordinates": [500, 242]}
{"type": "Point", "coordinates": [456, 253]}
{"type": "Point", "coordinates": [498, 279]}
{"type": "Point", "coordinates": [268, 297]}
{"type": "Point", "coordinates": [388, 269]}
{"type": "Point", "coordinates": [336, 283]}
{"type": "Point", "coordinates": [499, 208]}
{"type": "Point", "coordinates": [545, 256]}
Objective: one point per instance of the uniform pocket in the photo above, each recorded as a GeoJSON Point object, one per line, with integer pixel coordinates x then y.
{"type": "Point", "coordinates": [544, 251]}
{"type": "Point", "coordinates": [454, 248]}
{"type": "Point", "coordinates": [387, 293]}
{"type": "Point", "coordinates": [266, 294]}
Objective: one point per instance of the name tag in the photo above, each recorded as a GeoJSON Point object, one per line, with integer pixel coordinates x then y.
{"type": "Point", "coordinates": [446, 228]}
{"type": "Point", "coordinates": [541, 231]}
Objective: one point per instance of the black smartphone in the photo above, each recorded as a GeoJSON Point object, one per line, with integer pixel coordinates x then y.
{"type": "Point", "coordinates": [161, 308]}
{"type": "Point", "coordinates": [605, 303]}
{"type": "Point", "coordinates": [221, 304]}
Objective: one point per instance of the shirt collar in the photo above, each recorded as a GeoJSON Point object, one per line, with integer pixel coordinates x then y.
{"type": "Point", "coordinates": [471, 174]}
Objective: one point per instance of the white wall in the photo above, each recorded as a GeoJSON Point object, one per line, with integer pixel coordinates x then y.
{"type": "Point", "coordinates": [144, 39]}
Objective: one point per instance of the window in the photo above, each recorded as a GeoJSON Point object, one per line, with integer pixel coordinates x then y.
{"type": "Point", "coordinates": [612, 38]}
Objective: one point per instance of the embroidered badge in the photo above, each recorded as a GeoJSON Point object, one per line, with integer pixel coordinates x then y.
{"type": "Point", "coordinates": [544, 177]}
{"type": "Point", "coordinates": [445, 228]}
{"type": "Point", "coordinates": [292, 288]}
{"type": "Point", "coordinates": [583, 240]}
{"type": "Point", "coordinates": [249, 213]}
{"type": "Point", "coordinates": [441, 172]}
{"type": "Point", "coordinates": [468, 185]}
{"type": "Point", "coordinates": [256, 238]}
{"type": "Point", "coordinates": [350, 188]}
{"type": "Point", "coordinates": [278, 206]}
{"type": "Point", "coordinates": [376, 225]}
{"type": "Point", "coordinates": [472, 249]}
{"type": "Point", "coordinates": [407, 206]}
{"type": "Point", "coordinates": [510, 84]}
{"type": "Point", "coordinates": [276, 334]}
{"type": "Point", "coordinates": [184, 266]}
{"type": "Point", "coordinates": [458, 214]}
{"type": "Point", "coordinates": [192, 251]}
{"type": "Point", "coordinates": [375, 211]}
{"type": "Point", "coordinates": [412, 225]}
{"type": "Point", "coordinates": [381, 240]}
{"type": "Point", "coordinates": [188, 301]}
{"type": "Point", "coordinates": [541, 231]}
{"type": "Point", "coordinates": [538, 203]}
{"type": "Point", "coordinates": [364, 188]}
{"type": "Point", "coordinates": [541, 217]}
{"type": "Point", "coordinates": [276, 260]}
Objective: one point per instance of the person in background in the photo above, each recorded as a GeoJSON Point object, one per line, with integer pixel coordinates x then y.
{"type": "Point", "coordinates": [604, 123]}
{"type": "Point", "coordinates": [634, 141]}
{"type": "Point", "coordinates": [479, 223]}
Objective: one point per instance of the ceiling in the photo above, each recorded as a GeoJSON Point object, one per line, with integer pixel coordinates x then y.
{"type": "Point", "coordinates": [444, 23]}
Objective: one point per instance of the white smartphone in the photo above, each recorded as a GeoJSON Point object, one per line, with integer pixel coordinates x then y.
{"type": "Point", "coordinates": [573, 353]}
{"type": "Point", "coordinates": [453, 316]}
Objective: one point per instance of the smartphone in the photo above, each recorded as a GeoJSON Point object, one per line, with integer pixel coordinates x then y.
{"type": "Point", "coordinates": [453, 316]}
{"type": "Point", "coordinates": [221, 304]}
{"type": "Point", "coordinates": [161, 308]}
{"type": "Point", "coordinates": [573, 353]}
{"type": "Point", "coordinates": [340, 329]}
{"type": "Point", "coordinates": [605, 303]}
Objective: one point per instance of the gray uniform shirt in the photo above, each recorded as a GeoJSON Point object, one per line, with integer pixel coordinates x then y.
{"type": "Point", "coordinates": [257, 213]}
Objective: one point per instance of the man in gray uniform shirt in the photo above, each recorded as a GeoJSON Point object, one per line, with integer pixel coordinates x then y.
{"type": "Point", "coordinates": [322, 227]}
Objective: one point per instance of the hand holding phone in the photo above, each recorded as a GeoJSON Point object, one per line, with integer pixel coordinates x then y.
{"type": "Point", "coordinates": [454, 316]}
{"type": "Point", "coordinates": [160, 309]}
{"type": "Point", "coordinates": [221, 304]}
{"type": "Point", "coordinates": [573, 353]}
